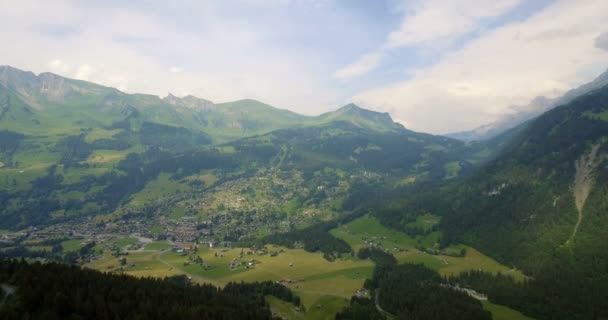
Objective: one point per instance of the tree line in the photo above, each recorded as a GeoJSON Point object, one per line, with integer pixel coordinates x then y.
{"type": "Point", "coordinates": [409, 291]}
{"type": "Point", "coordinates": [57, 291]}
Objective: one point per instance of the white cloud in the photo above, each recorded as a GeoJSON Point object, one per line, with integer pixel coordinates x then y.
{"type": "Point", "coordinates": [362, 66]}
{"type": "Point", "coordinates": [58, 66]}
{"type": "Point", "coordinates": [429, 25]}
{"type": "Point", "coordinates": [224, 59]}
{"type": "Point", "coordinates": [215, 57]}
{"type": "Point", "coordinates": [84, 72]}
{"type": "Point", "coordinates": [506, 66]}
{"type": "Point", "coordinates": [601, 42]}
{"type": "Point", "coordinates": [174, 69]}
{"type": "Point", "coordinates": [437, 19]}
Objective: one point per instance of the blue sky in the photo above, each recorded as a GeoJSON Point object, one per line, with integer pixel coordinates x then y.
{"type": "Point", "coordinates": [435, 65]}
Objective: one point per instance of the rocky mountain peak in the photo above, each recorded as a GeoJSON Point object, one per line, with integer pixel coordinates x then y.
{"type": "Point", "coordinates": [190, 102]}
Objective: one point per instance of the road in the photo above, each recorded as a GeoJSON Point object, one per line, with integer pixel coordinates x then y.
{"type": "Point", "coordinates": [385, 313]}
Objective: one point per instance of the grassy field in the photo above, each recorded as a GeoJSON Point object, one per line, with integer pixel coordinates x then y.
{"type": "Point", "coordinates": [123, 242]}
{"type": "Point", "coordinates": [140, 264]}
{"type": "Point", "coordinates": [503, 313]}
{"type": "Point", "coordinates": [284, 310]}
{"type": "Point", "coordinates": [324, 287]}
{"type": "Point", "coordinates": [324, 307]}
{"type": "Point", "coordinates": [367, 228]}
{"type": "Point", "coordinates": [163, 186]}
{"type": "Point", "coordinates": [452, 169]}
{"type": "Point", "coordinates": [425, 221]}
{"type": "Point", "coordinates": [71, 245]}
{"type": "Point", "coordinates": [158, 245]}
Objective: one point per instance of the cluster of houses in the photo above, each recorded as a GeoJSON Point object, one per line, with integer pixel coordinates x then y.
{"type": "Point", "coordinates": [362, 293]}
{"type": "Point", "coordinates": [182, 230]}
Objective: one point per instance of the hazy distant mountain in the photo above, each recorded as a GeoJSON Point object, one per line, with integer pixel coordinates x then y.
{"type": "Point", "coordinates": [522, 114]}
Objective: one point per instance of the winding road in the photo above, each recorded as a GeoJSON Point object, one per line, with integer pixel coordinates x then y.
{"type": "Point", "coordinates": [385, 313]}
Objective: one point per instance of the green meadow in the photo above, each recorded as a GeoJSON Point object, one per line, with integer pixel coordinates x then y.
{"type": "Point", "coordinates": [402, 246]}
{"type": "Point", "coordinates": [325, 287]}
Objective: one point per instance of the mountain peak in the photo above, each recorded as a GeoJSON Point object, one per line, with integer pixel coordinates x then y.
{"type": "Point", "coordinates": [14, 78]}
{"type": "Point", "coordinates": [189, 101]}
{"type": "Point", "coordinates": [351, 106]}
{"type": "Point", "coordinates": [380, 121]}
{"type": "Point", "coordinates": [602, 77]}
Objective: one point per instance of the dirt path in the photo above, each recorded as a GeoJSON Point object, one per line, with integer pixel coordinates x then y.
{"type": "Point", "coordinates": [583, 182]}
{"type": "Point", "coordinates": [385, 313]}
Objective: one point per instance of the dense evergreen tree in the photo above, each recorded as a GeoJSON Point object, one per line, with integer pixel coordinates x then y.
{"type": "Point", "coordinates": [409, 291]}
{"type": "Point", "coordinates": [313, 239]}
{"type": "Point", "coordinates": [56, 291]}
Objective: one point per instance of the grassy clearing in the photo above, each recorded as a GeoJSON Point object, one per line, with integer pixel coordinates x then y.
{"type": "Point", "coordinates": [405, 181]}
{"type": "Point", "coordinates": [158, 246]}
{"type": "Point", "coordinates": [177, 212]}
{"type": "Point", "coordinates": [326, 307]}
{"type": "Point", "coordinates": [226, 149]}
{"type": "Point", "coordinates": [603, 116]}
{"type": "Point", "coordinates": [318, 281]}
{"type": "Point", "coordinates": [284, 310]}
{"type": "Point", "coordinates": [106, 158]}
{"type": "Point", "coordinates": [425, 221]}
{"type": "Point", "coordinates": [369, 228]}
{"type": "Point", "coordinates": [124, 242]}
{"type": "Point", "coordinates": [40, 248]}
{"type": "Point", "coordinates": [207, 178]}
{"type": "Point", "coordinates": [163, 186]}
{"type": "Point", "coordinates": [73, 175]}
{"type": "Point", "coordinates": [503, 313]}
{"type": "Point", "coordinates": [19, 179]}
{"type": "Point", "coordinates": [139, 264]}
{"type": "Point", "coordinates": [72, 245]}
{"type": "Point", "coordinates": [402, 246]}
{"type": "Point", "coordinates": [324, 287]}
{"type": "Point", "coordinates": [452, 169]}
{"type": "Point", "coordinates": [99, 134]}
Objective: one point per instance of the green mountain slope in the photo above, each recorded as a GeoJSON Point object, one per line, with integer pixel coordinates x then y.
{"type": "Point", "coordinates": [51, 103]}
{"type": "Point", "coordinates": [526, 205]}
{"type": "Point", "coordinates": [363, 118]}
{"type": "Point", "coordinates": [327, 160]}
{"type": "Point", "coordinates": [71, 149]}
{"type": "Point", "coordinates": [541, 207]}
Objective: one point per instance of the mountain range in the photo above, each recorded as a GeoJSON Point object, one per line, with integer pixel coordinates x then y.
{"type": "Point", "coordinates": [38, 103]}
{"type": "Point", "coordinates": [73, 149]}
{"type": "Point", "coordinates": [77, 157]}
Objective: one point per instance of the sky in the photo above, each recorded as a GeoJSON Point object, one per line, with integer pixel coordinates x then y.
{"type": "Point", "coordinates": [436, 66]}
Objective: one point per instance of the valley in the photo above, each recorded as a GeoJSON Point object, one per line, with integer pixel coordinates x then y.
{"type": "Point", "coordinates": [342, 215]}
{"type": "Point", "coordinates": [325, 287]}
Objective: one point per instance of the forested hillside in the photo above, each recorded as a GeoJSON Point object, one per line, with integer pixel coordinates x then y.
{"type": "Point", "coordinates": [73, 150]}
{"type": "Point", "coordinates": [55, 291]}
{"type": "Point", "coordinates": [410, 291]}
{"type": "Point", "coordinates": [541, 207]}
